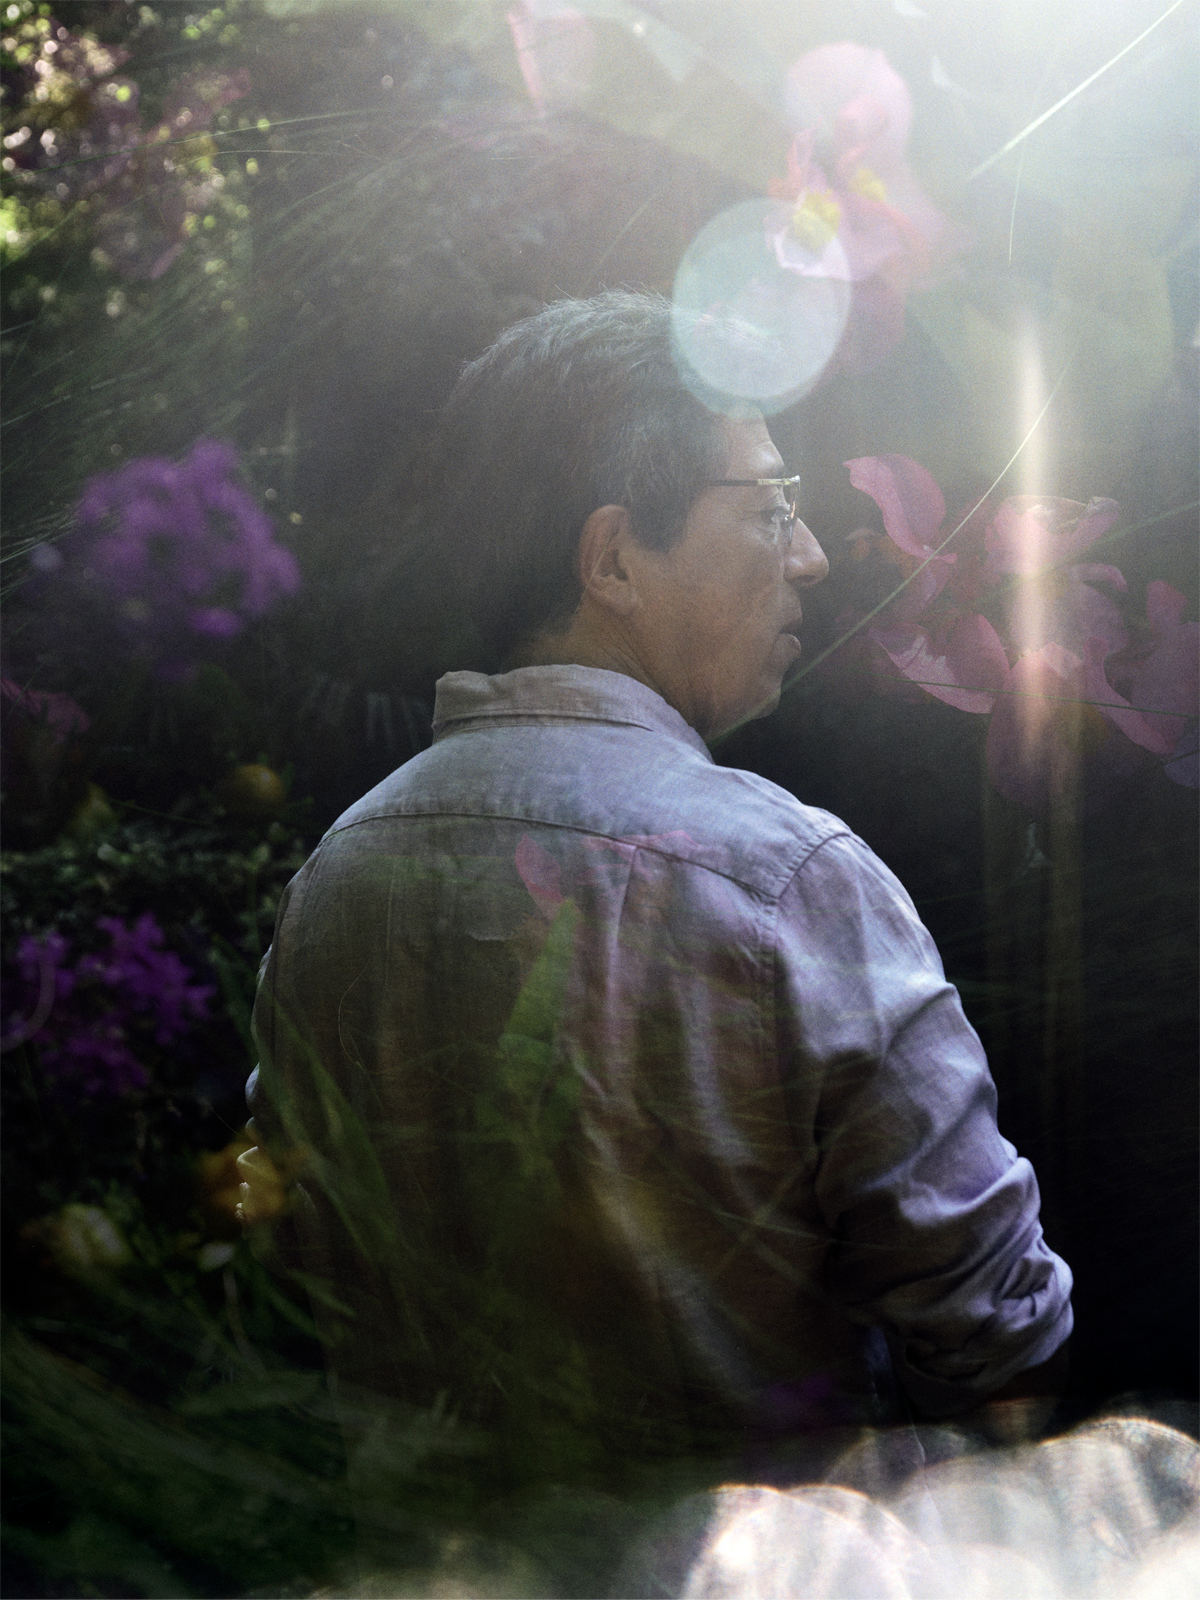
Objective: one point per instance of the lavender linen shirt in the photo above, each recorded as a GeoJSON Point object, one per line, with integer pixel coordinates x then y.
{"type": "Point", "coordinates": [779, 1130]}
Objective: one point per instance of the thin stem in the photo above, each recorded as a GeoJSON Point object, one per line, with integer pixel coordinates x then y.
{"type": "Point", "coordinates": [1037, 122]}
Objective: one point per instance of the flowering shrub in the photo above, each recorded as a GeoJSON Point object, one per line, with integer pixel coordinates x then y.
{"type": "Point", "coordinates": [1055, 661]}
{"type": "Point", "coordinates": [133, 988]}
{"type": "Point", "coordinates": [178, 556]}
{"type": "Point", "coordinates": [78, 134]}
{"type": "Point", "coordinates": [853, 209]}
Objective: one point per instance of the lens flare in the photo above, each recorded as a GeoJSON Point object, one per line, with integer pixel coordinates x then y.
{"type": "Point", "coordinates": [746, 329]}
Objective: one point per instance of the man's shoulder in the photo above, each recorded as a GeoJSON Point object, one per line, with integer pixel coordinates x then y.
{"type": "Point", "coordinates": [628, 785]}
{"type": "Point", "coordinates": [744, 826]}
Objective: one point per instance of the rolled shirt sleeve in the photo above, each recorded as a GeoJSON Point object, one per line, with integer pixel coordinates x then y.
{"type": "Point", "coordinates": [933, 1215]}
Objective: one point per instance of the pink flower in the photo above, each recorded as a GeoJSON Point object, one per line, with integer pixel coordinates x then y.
{"type": "Point", "coordinates": [1163, 680]}
{"type": "Point", "coordinates": [1082, 709]}
{"type": "Point", "coordinates": [854, 210]}
{"type": "Point", "coordinates": [963, 663]}
{"type": "Point", "coordinates": [954, 654]}
{"type": "Point", "coordinates": [1030, 533]}
{"type": "Point", "coordinates": [1067, 608]}
{"type": "Point", "coordinates": [934, 632]}
{"type": "Point", "coordinates": [1027, 545]}
{"type": "Point", "coordinates": [555, 50]}
{"type": "Point", "coordinates": [913, 512]}
{"type": "Point", "coordinates": [1062, 731]}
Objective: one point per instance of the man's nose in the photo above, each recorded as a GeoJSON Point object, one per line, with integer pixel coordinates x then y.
{"type": "Point", "coordinates": [805, 563]}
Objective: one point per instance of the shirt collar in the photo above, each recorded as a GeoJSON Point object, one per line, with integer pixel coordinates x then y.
{"type": "Point", "coordinates": [566, 693]}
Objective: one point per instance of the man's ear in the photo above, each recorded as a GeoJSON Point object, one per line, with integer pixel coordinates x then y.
{"type": "Point", "coordinates": [605, 572]}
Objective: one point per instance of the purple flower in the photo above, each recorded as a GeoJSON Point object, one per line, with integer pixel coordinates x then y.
{"type": "Point", "coordinates": [41, 963]}
{"type": "Point", "coordinates": [145, 208]}
{"type": "Point", "coordinates": [153, 979]}
{"type": "Point", "coordinates": [178, 555]}
{"type": "Point", "coordinates": [94, 1058]}
{"type": "Point", "coordinates": [85, 1018]}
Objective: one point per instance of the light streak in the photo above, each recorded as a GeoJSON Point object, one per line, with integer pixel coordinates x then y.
{"type": "Point", "coordinates": [1037, 122]}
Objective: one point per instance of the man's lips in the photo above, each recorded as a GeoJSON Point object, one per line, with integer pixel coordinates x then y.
{"type": "Point", "coordinates": [789, 636]}
{"type": "Point", "coordinates": [789, 639]}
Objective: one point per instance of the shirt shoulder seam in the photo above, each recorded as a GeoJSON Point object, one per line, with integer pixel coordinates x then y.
{"type": "Point", "coordinates": [834, 832]}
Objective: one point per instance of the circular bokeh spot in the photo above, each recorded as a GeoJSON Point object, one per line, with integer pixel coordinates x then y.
{"type": "Point", "coordinates": [746, 329]}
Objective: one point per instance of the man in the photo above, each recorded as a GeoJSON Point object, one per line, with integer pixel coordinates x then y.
{"type": "Point", "coordinates": [638, 1115]}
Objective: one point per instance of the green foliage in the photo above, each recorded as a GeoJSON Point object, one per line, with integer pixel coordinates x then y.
{"type": "Point", "coordinates": [193, 873]}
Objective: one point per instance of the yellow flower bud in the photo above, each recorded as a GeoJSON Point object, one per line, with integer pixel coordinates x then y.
{"type": "Point", "coordinates": [264, 1187]}
{"type": "Point", "coordinates": [252, 791]}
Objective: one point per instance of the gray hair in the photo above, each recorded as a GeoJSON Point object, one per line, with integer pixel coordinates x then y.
{"type": "Point", "coordinates": [577, 407]}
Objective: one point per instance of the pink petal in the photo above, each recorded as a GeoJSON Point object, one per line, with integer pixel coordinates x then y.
{"type": "Point", "coordinates": [802, 171]}
{"type": "Point", "coordinates": [1183, 765]}
{"type": "Point", "coordinates": [1062, 608]}
{"type": "Point", "coordinates": [1145, 731]}
{"type": "Point", "coordinates": [1098, 517]}
{"type": "Point", "coordinates": [792, 253]}
{"type": "Point", "coordinates": [929, 231]}
{"type": "Point", "coordinates": [967, 673]}
{"type": "Point", "coordinates": [1027, 760]}
{"type": "Point", "coordinates": [1098, 572]}
{"type": "Point", "coordinates": [871, 233]}
{"type": "Point", "coordinates": [1168, 679]}
{"type": "Point", "coordinates": [977, 656]}
{"type": "Point", "coordinates": [918, 592]}
{"type": "Point", "coordinates": [849, 79]}
{"type": "Point", "coordinates": [861, 132]}
{"type": "Point", "coordinates": [555, 51]}
{"type": "Point", "coordinates": [911, 502]}
{"type": "Point", "coordinates": [541, 875]}
{"type": "Point", "coordinates": [1164, 606]}
{"type": "Point", "coordinates": [1028, 534]}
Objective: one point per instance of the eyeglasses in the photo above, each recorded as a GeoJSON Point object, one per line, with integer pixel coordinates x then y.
{"type": "Point", "coordinates": [790, 488]}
